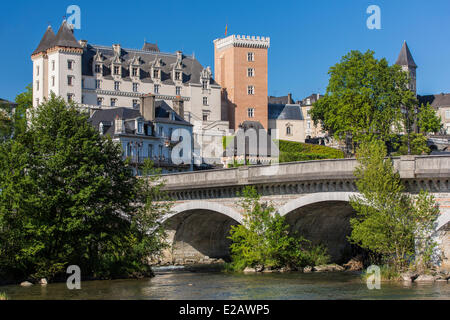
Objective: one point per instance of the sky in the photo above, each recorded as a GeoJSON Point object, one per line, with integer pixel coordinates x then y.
{"type": "Point", "coordinates": [306, 37]}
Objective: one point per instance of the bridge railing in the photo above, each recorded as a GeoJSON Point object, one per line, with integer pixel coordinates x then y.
{"type": "Point", "coordinates": [409, 167]}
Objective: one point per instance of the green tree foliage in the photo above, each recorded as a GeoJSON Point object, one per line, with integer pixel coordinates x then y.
{"type": "Point", "coordinates": [15, 123]}
{"type": "Point", "coordinates": [363, 99]}
{"type": "Point", "coordinates": [428, 120]}
{"type": "Point", "coordinates": [264, 240]}
{"type": "Point", "coordinates": [67, 197]}
{"type": "Point", "coordinates": [417, 142]}
{"type": "Point", "coordinates": [388, 220]}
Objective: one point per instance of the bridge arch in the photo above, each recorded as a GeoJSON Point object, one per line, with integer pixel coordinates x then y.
{"type": "Point", "coordinates": [315, 198]}
{"type": "Point", "coordinates": [323, 218]}
{"type": "Point", "coordinates": [198, 232]}
{"type": "Point", "coordinates": [205, 205]}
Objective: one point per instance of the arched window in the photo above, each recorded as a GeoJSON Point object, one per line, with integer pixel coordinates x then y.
{"type": "Point", "coordinates": [288, 131]}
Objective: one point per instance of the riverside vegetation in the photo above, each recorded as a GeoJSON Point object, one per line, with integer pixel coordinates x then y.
{"type": "Point", "coordinates": [67, 197]}
{"type": "Point", "coordinates": [263, 241]}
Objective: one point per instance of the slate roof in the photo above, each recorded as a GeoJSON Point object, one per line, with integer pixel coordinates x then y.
{"type": "Point", "coordinates": [150, 47]}
{"type": "Point", "coordinates": [108, 116]}
{"type": "Point", "coordinates": [436, 100]}
{"type": "Point", "coordinates": [65, 37]}
{"type": "Point", "coordinates": [405, 57]}
{"type": "Point", "coordinates": [190, 66]}
{"type": "Point", "coordinates": [284, 112]}
{"type": "Point", "coordinates": [46, 42]}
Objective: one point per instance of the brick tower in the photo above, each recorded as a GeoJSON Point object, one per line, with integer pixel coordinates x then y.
{"type": "Point", "coordinates": [240, 65]}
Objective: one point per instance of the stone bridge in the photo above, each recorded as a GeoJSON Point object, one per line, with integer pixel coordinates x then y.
{"type": "Point", "coordinates": [313, 196]}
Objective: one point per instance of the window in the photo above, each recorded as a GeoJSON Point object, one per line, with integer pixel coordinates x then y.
{"type": "Point", "coordinates": [205, 116]}
{"type": "Point", "coordinates": [113, 102]}
{"type": "Point", "coordinates": [156, 89]}
{"type": "Point", "coordinates": [161, 131]}
{"type": "Point", "coordinates": [134, 72]}
{"type": "Point", "coordinates": [69, 97]}
{"type": "Point", "coordinates": [205, 84]}
{"type": "Point", "coordinates": [70, 80]}
{"type": "Point", "coordinates": [98, 68]}
{"type": "Point", "coordinates": [53, 65]}
{"type": "Point", "coordinates": [308, 113]}
{"type": "Point", "coordinates": [116, 85]}
{"type": "Point", "coordinates": [53, 81]}
{"type": "Point", "coordinates": [251, 90]}
{"type": "Point", "coordinates": [205, 101]}
{"type": "Point", "coordinates": [135, 103]}
{"type": "Point", "coordinates": [82, 99]}
{"type": "Point", "coordinates": [308, 125]}
{"type": "Point", "coordinates": [156, 74]}
{"type": "Point", "coordinates": [308, 101]}
{"type": "Point", "coordinates": [37, 85]}
{"type": "Point", "coordinates": [250, 56]}
{"type": "Point", "coordinates": [178, 91]}
{"type": "Point", "coordinates": [288, 130]}
{"type": "Point", "coordinates": [177, 75]}
{"type": "Point", "coordinates": [170, 133]}
{"type": "Point", "coordinates": [82, 83]}
{"type": "Point", "coordinates": [69, 64]}
{"type": "Point", "coordinates": [447, 114]}
{"type": "Point", "coordinates": [140, 127]}
{"type": "Point", "coordinates": [98, 84]}
{"type": "Point", "coordinates": [116, 70]}
{"type": "Point", "coordinates": [37, 70]}
{"type": "Point", "coordinates": [251, 112]}
{"type": "Point", "coordinates": [150, 151]}
{"type": "Point", "coordinates": [135, 87]}
{"type": "Point", "coordinates": [99, 101]}
{"type": "Point", "coordinates": [160, 147]}
{"type": "Point", "coordinates": [250, 72]}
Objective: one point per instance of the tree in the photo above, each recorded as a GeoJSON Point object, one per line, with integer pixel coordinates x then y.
{"type": "Point", "coordinates": [363, 99]}
{"type": "Point", "coordinates": [388, 219]}
{"type": "Point", "coordinates": [14, 123]}
{"type": "Point", "coordinates": [67, 197]}
{"type": "Point", "coordinates": [428, 120]}
{"type": "Point", "coordinates": [263, 240]}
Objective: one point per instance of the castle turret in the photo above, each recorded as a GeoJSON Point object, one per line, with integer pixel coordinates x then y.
{"type": "Point", "coordinates": [406, 61]}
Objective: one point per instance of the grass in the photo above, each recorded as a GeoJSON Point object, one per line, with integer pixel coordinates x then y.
{"type": "Point", "coordinates": [387, 273]}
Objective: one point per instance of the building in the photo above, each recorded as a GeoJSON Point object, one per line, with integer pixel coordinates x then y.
{"type": "Point", "coordinates": [406, 62]}
{"type": "Point", "coordinates": [98, 77]}
{"type": "Point", "coordinates": [286, 118]}
{"type": "Point", "coordinates": [149, 133]}
{"type": "Point", "coordinates": [240, 66]}
{"type": "Point", "coordinates": [441, 103]}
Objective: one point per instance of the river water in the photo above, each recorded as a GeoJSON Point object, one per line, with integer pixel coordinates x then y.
{"type": "Point", "coordinates": [179, 284]}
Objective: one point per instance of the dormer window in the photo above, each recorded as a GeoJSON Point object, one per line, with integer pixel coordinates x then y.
{"type": "Point", "coordinates": [156, 74]}
{"type": "Point", "coordinates": [177, 75]}
{"type": "Point", "coordinates": [116, 70]}
{"type": "Point", "coordinates": [98, 68]}
{"type": "Point", "coordinates": [205, 84]}
{"type": "Point", "coordinates": [134, 72]}
{"type": "Point", "coordinates": [140, 127]}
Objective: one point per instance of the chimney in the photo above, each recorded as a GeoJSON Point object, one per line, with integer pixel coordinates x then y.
{"type": "Point", "coordinates": [178, 106]}
{"type": "Point", "coordinates": [179, 55]}
{"type": "Point", "coordinates": [83, 43]}
{"type": "Point", "coordinates": [118, 125]}
{"type": "Point", "coordinates": [116, 48]}
{"type": "Point", "coordinates": [290, 99]}
{"type": "Point", "coordinates": [147, 107]}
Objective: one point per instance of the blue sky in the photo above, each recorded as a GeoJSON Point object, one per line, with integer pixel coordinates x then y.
{"type": "Point", "coordinates": [307, 37]}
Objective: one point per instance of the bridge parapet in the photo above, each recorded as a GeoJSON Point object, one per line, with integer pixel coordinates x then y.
{"type": "Point", "coordinates": [409, 167]}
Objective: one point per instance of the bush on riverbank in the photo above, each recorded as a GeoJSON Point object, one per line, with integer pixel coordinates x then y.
{"type": "Point", "coordinates": [3, 296]}
{"type": "Point", "coordinates": [394, 225]}
{"type": "Point", "coordinates": [68, 198]}
{"type": "Point", "coordinates": [263, 240]}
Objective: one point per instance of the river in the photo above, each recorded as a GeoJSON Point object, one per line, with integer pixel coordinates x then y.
{"type": "Point", "coordinates": [179, 284]}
